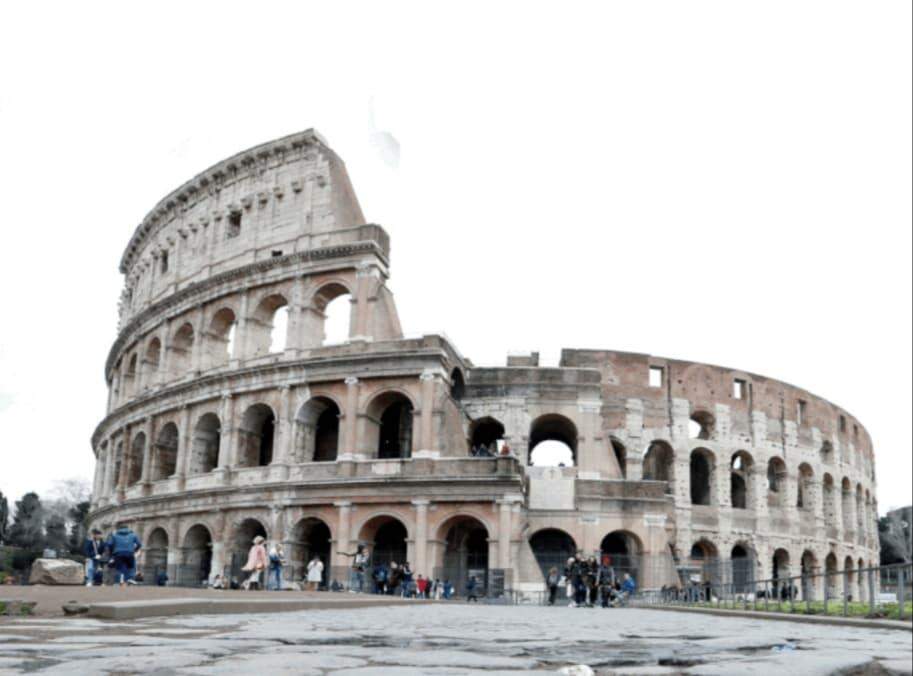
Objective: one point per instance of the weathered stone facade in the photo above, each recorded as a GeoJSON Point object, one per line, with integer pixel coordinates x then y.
{"type": "Point", "coordinates": [213, 434]}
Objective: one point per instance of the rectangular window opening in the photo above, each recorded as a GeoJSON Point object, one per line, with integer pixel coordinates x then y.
{"type": "Point", "coordinates": [276, 253]}
{"type": "Point", "coordinates": [656, 376]}
{"type": "Point", "coordinates": [856, 431]}
{"type": "Point", "coordinates": [234, 225]}
{"type": "Point", "coordinates": [800, 411]}
{"type": "Point", "coordinates": [738, 389]}
{"type": "Point", "coordinates": [842, 423]}
{"type": "Point", "coordinates": [164, 263]}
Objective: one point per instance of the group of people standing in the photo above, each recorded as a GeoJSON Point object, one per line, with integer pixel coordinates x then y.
{"type": "Point", "coordinates": [399, 580]}
{"type": "Point", "coordinates": [118, 551]}
{"type": "Point", "coordinates": [271, 562]}
{"type": "Point", "coordinates": [587, 581]}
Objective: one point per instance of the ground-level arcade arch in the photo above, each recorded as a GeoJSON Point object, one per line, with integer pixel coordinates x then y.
{"type": "Point", "coordinates": [386, 538]}
{"type": "Point", "coordinates": [552, 548]}
{"type": "Point", "coordinates": [196, 556]}
{"type": "Point", "coordinates": [625, 551]}
{"type": "Point", "coordinates": [310, 537]}
{"type": "Point", "coordinates": [465, 552]}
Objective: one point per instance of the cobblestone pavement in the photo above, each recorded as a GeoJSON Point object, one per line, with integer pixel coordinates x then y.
{"type": "Point", "coordinates": [447, 640]}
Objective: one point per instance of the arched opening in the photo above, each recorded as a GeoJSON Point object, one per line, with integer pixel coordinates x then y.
{"type": "Point", "coordinates": [268, 328]}
{"type": "Point", "coordinates": [394, 413]}
{"type": "Point", "coordinates": [829, 501]}
{"type": "Point", "coordinates": [465, 552]}
{"type": "Point", "coordinates": [701, 425]}
{"type": "Point", "coordinates": [165, 457]}
{"type": "Point", "coordinates": [847, 505]}
{"type": "Point", "coordinates": [804, 494]}
{"type": "Point", "coordinates": [135, 466]}
{"type": "Point", "coordinates": [310, 538]}
{"type": "Point", "coordinates": [256, 434]}
{"type": "Point", "coordinates": [182, 351]}
{"type": "Point", "coordinates": [317, 431]}
{"type": "Point", "coordinates": [740, 479]}
{"type": "Point", "coordinates": [705, 563]}
{"type": "Point", "coordinates": [742, 568]}
{"type": "Point", "coordinates": [118, 460]}
{"type": "Point", "coordinates": [827, 453]}
{"type": "Point", "coordinates": [552, 548]}
{"type": "Point", "coordinates": [220, 338]}
{"type": "Point", "coordinates": [386, 539]}
{"type": "Point", "coordinates": [207, 435]}
{"type": "Point", "coordinates": [457, 384]}
{"type": "Point", "coordinates": [334, 304]}
{"type": "Point", "coordinates": [850, 586]}
{"type": "Point", "coordinates": [552, 442]}
{"type": "Point", "coordinates": [130, 376]}
{"type": "Point", "coordinates": [621, 456]}
{"type": "Point", "coordinates": [196, 564]}
{"type": "Point", "coordinates": [781, 564]}
{"type": "Point", "coordinates": [776, 482]}
{"type": "Point", "coordinates": [155, 556]}
{"type": "Point", "coordinates": [809, 566]}
{"type": "Point", "coordinates": [659, 463]}
{"type": "Point", "coordinates": [152, 361]}
{"type": "Point", "coordinates": [701, 468]}
{"type": "Point", "coordinates": [624, 550]}
{"type": "Point", "coordinates": [830, 571]}
{"type": "Point", "coordinates": [241, 543]}
{"type": "Point", "coordinates": [486, 437]}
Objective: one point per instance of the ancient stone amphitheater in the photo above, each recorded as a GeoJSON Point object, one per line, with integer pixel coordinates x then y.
{"type": "Point", "coordinates": [230, 415]}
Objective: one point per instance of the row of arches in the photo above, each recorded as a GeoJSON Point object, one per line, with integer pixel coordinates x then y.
{"type": "Point", "coordinates": [552, 548]}
{"type": "Point", "coordinates": [212, 341]}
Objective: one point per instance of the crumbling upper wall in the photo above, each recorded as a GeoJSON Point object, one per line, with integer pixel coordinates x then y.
{"type": "Point", "coordinates": [285, 196]}
{"type": "Point", "coordinates": [626, 375]}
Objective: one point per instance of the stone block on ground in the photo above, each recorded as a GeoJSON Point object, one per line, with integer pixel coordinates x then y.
{"type": "Point", "coordinates": [57, 572]}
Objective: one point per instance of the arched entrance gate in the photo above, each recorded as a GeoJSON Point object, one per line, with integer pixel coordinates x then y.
{"type": "Point", "coordinates": [465, 554]}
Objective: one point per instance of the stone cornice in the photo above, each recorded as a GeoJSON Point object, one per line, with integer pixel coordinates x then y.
{"type": "Point", "coordinates": [187, 294]}
{"type": "Point", "coordinates": [212, 178]}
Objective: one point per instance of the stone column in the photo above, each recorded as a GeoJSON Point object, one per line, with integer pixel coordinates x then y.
{"type": "Point", "coordinates": [340, 567]}
{"type": "Point", "coordinates": [149, 429]}
{"type": "Point", "coordinates": [218, 544]}
{"type": "Point", "coordinates": [428, 380]}
{"type": "Point", "coordinates": [185, 447]}
{"type": "Point", "coordinates": [295, 343]}
{"type": "Point", "coordinates": [124, 457]}
{"type": "Point", "coordinates": [196, 356]}
{"type": "Point", "coordinates": [174, 557]}
{"type": "Point", "coordinates": [284, 427]}
{"type": "Point", "coordinates": [360, 323]}
{"type": "Point", "coordinates": [349, 441]}
{"type": "Point", "coordinates": [421, 537]}
{"type": "Point", "coordinates": [227, 423]}
{"type": "Point", "coordinates": [164, 374]}
{"type": "Point", "coordinates": [504, 532]}
{"type": "Point", "coordinates": [242, 339]}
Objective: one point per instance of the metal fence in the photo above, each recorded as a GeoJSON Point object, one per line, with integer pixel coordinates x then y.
{"type": "Point", "coordinates": [878, 591]}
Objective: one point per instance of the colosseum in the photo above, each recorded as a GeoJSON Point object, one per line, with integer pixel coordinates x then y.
{"type": "Point", "coordinates": [230, 414]}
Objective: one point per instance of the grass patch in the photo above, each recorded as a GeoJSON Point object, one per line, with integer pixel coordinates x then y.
{"type": "Point", "coordinates": [884, 611]}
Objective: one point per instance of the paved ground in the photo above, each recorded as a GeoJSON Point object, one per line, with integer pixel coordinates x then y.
{"type": "Point", "coordinates": [447, 639]}
{"type": "Point", "coordinates": [50, 599]}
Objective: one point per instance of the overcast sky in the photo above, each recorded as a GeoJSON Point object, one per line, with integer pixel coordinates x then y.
{"type": "Point", "coordinates": [725, 182]}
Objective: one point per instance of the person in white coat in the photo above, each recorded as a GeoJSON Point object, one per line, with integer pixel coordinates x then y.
{"type": "Point", "coordinates": [315, 573]}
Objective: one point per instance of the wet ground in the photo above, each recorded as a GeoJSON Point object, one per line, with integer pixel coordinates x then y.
{"type": "Point", "coordinates": [448, 640]}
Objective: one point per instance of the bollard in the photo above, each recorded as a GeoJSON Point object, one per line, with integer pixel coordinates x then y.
{"type": "Point", "coordinates": [871, 572]}
{"type": "Point", "coordinates": [901, 593]}
{"type": "Point", "coordinates": [846, 592]}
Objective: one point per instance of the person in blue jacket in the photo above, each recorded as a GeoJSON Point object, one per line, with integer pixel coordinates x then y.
{"type": "Point", "coordinates": [123, 544]}
{"type": "Point", "coordinates": [94, 550]}
{"type": "Point", "coordinates": [628, 587]}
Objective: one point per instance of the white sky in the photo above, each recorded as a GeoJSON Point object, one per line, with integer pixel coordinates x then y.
{"type": "Point", "coordinates": [726, 182]}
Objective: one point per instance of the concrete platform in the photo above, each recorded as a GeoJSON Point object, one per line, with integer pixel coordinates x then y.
{"type": "Point", "coordinates": [131, 610]}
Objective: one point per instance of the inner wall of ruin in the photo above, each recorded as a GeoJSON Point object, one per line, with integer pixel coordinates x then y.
{"type": "Point", "coordinates": [230, 415]}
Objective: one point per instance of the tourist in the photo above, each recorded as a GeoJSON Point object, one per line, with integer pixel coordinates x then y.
{"type": "Point", "coordinates": [217, 582]}
{"type": "Point", "coordinates": [551, 581]}
{"type": "Point", "coordinates": [359, 565]}
{"type": "Point", "coordinates": [606, 581]}
{"type": "Point", "coordinates": [94, 549]}
{"type": "Point", "coordinates": [591, 580]}
{"type": "Point", "coordinates": [408, 590]}
{"type": "Point", "coordinates": [381, 575]}
{"type": "Point", "coordinates": [274, 573]}
{"type": "Point", "coordinates": [396, 577]}
{"type": "Point", "coordinates": [123, 546]}
{"type": "Point", "coordinates": [422, 585]}
{"type": "Point", "coordinates": [161, 578]}
{"type": "Point", "coordinates": [505, 449]}
{"type": "Point", "coordinates": [256, 563]}
{"type": "Point", "coordinates": [471, 590]}
{"type": "Point", "coordinates": [438, 589]}
{"type": "Point", "coordinates": [315, 573]}
{"type": "Point", "coordinates": [448, 590]}
{"type": "Point", "coordinates": [569, 581]}
{"type": "Point", "coordinates": [628, 587]}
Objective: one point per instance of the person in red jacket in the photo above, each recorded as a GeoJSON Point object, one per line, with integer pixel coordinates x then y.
{"type": "Point", "coordinates": [422, 585]}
